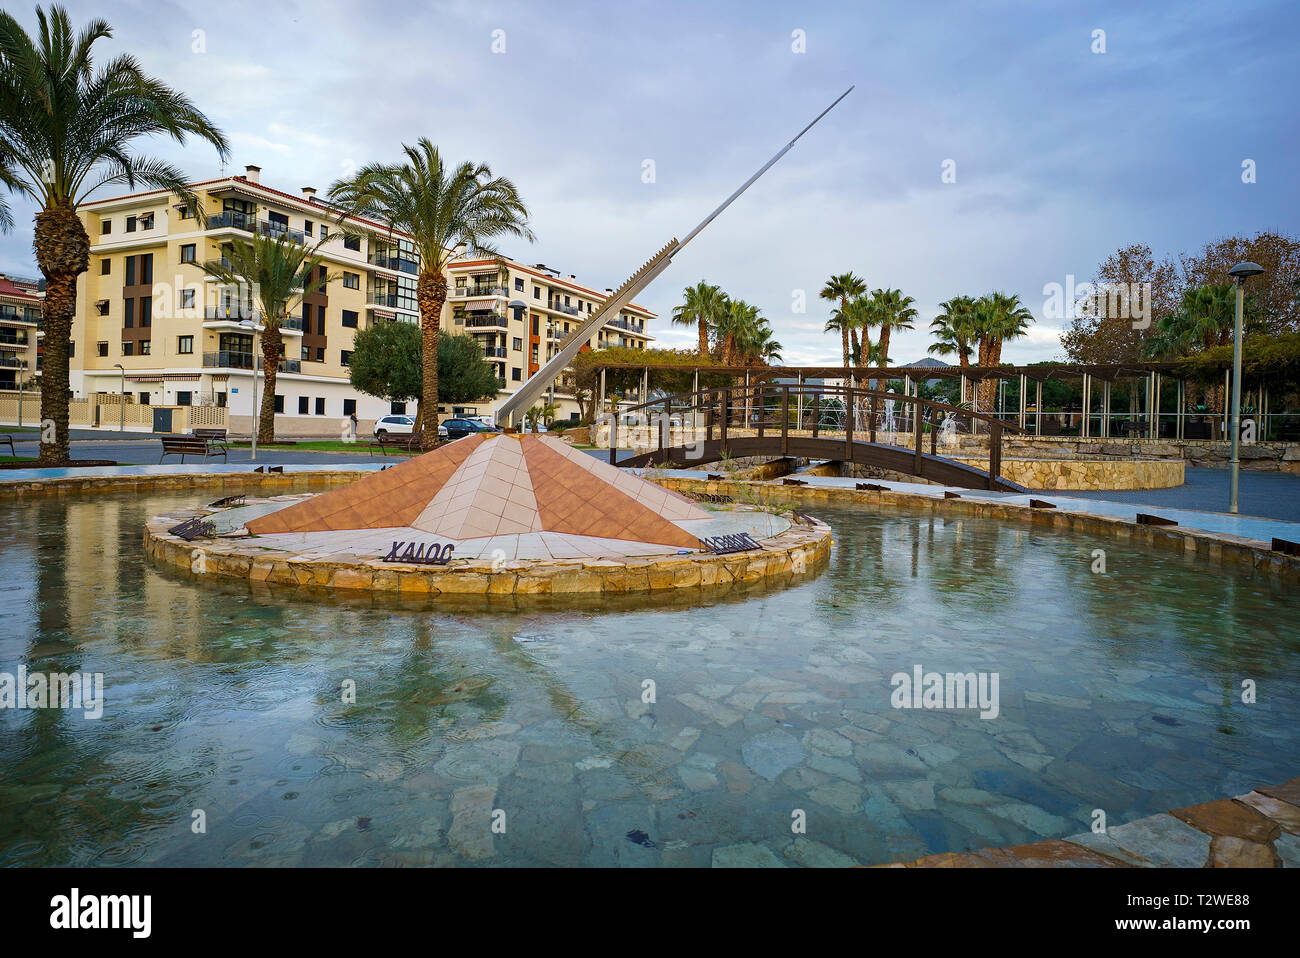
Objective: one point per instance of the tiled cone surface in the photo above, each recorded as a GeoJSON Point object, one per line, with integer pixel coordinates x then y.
{"type": "Point", "coordinates": [477, 487]}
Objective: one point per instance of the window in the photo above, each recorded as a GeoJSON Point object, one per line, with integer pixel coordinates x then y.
{"type": "Point", "coordinates": [187, 253]}
{"type": "Point", "coordinates": [320, 406]}
{"type": "Point", "coordinates": [186, 212]}
{"type": "Point", "coordinates": [305, 355]}
{"type": "Point", "coordinates": [352, 242]}
{"type": "Point", "coordinates": [279, 221]}
{"type": "Point", "coordinates": [72, 347]}
{"type": "Point", "coordinates": [128, 348]}
{"type": "Point", "coordinates": [130, 271]}
{"type": "Point", "coordinates": [146, 221]}
{"type": "Point", "coordinates": [145, 347]}
{"type": "Point", "coordinates": [519, 284]}
{"type": "Point", "coordinates": [516, 374]}
{"type": "Point", "coordinates": [130, 224]}
{"type": "Point", "coordinates": [320, 320]}
{"type": "Point", "coordinates": [566, 301]}
{"type": "Point", "coordinates": [279, 403]}
{"type": "Point", "coordinates": [128, 313]}
{"type": "Point", "coordinates": [517, 344]}
{"type": "Point", "coordinates": [146, 311]}
{"type": "Point", "coordinates": [185, 345]}
{"type": "Point", "coordinates": [105, 266]}
{"type": "Point", "coordinates": [144, 399]}
{"type": "Point", "coordinates": [397, 408]}
{"type": "Point", "coordinates": [349, 407]}
{"type": "Point", "coordinates": [537, 292]}
{"type": "Point", "coordinates": [302, 405]}
{"type": "Point", "coordinates": [345, 357]}
{"type": "Point", "coordinates": [221, 400]}
{"type": "Point", "coordinates": [307, 227]}
{"type": "Point", "coordinates": [101, 349]}
{"type": "Point", "coordinates": [320, 354]}
{"type": "Point", "coordinates": [105, 227]}
{"type": "Point", "coordinates": [187, 299]}
{"type": "Point", "coordinates": [349, 319]}
{"type": "Point", "coordinates": [352, 280]}
{"type": "Point", "coordinates": [324, 232]}
{"type": "Point", "coordinates": [102, 307]}
{"type": "Point", "coordinates": [183, 398]}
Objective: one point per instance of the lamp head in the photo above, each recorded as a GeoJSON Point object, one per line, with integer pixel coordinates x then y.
{"type": "Point", "coordinates": [1244, 271]}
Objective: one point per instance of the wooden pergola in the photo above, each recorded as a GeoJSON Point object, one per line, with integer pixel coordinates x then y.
{"type": "Point", "coordinates": [1094, 418]}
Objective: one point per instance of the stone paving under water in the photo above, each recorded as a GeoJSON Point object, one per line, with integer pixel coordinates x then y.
{"type": "Point", "coordinates": [1118, 691]}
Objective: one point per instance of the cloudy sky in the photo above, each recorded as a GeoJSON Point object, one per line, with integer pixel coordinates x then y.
{"type": "Point", "coordinates": [1061, 154]}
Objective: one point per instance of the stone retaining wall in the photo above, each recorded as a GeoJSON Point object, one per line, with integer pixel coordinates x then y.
{"type": "Point", "coordinates": [1062, 474]}
{"type": "Point", "coordinates": [1259, 456]}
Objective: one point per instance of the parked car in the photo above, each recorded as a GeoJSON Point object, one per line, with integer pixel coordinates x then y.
{"type": "Point", "coordinates": [541, 427]}
{"type": "Point", "coordinates": [394, 426]}
{"type": "Point", "coordinates": [460, 428]}
{"type": "Point", "coordinates": [400, 426]}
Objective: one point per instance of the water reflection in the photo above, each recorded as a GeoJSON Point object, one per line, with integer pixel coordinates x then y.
{"type": "Point", "coordinates": [1119, 691]}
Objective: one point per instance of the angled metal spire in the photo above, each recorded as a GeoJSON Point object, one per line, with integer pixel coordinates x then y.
{"type": "Point", "coordinates": [531, 391]}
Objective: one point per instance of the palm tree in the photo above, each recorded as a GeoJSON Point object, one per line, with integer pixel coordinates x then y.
{"type": "Point", "coordinates": [734, 328]}
{"type": "Point", "coordinates": [702, 305]}
{"type": "Point", "coordinates": [1204, 320]}
{"type": "Point", "coordinates": [66, 129]}
{"type": "Point", "coordinates": [440, 208]}
{"type": "Point", "coordinates": [953, 328]}
{"type": "Point", "coordinates": [844, 287]}
{"type": "Point", "coordinates": [279, 272]}
{"type": "Point", "coordinates": [891, 310]}
{"type": "Point", "coordinates": [997, 318]}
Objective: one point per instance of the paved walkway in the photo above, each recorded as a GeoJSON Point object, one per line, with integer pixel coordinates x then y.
{"type": "Point", "coordinates": [1257, 830]}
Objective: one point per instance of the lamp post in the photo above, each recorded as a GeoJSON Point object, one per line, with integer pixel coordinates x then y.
{"type": "Point", "coordinates": [1241, 272]}
{"type": "Point", "coordinates": [121, 399]}
{"type": "Point", "coordinates": [252, 325]}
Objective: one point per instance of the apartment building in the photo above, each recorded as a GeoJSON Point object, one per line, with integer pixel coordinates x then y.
{"type": "Point", "coordinates": [20, 321]}
{"type": "Point", "coordinates": [151, 323]}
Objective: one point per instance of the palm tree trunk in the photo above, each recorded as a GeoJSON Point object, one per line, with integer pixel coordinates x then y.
{"type": "Point", "coordinates": [704, 336]}
{"type": "Point", "coordinates": [431, 293]}
{"type": "Point", "coordinates": [63, 253]}
{"type": "Point", "coordinates": [271, 340]}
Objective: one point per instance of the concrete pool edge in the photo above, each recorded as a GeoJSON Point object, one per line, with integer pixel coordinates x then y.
{"type": "Point", "coordinates": [1240, 832]}
{"type": "Point", "coordinates": [1220, 548]}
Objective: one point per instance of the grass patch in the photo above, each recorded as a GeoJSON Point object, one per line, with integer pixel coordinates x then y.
{"type": "Point", "coordinates": [10, 459]}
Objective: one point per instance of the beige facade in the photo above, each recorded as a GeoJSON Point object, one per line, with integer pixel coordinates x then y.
{"type": "Point", "coordinates": [20, 320]}
{"type": "Point", "coordinates": [152, 324]}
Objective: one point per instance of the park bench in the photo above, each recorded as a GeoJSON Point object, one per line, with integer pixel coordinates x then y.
{"type": "Point", "coordinates": [215, 437]}
{"type": "Point", "coordinates": [191, 446]}
{"type": "Point", "coordinates": [389, 441]}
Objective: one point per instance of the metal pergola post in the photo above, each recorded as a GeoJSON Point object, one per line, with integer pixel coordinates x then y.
{"type": "Point", "coordinates": [1024, 381]}
{"type": "Point", "coordinates": [798, 400]}
{"type": "Point", "coordinates": [1085, 425]}
{"type": "Point", "coordinates": [1038, 407]}
{"type": "Point", "coordinates": [1105, 409]}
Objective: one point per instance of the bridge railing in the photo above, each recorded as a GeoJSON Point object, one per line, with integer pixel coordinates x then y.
{"type": "Point", "coordinates": [696, 420]}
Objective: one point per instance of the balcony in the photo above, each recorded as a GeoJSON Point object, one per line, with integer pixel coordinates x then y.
{"type": "Point", "coordinates": [28, 314]}
{"type": "Point", "coordinates": [12, 362]}
{"type": "Point", "coordinates": [494, 352]}
{"type": "Point", "coordinates": [491, 322]}
{"type": "Point", "coordinates": [568, 310]}
{"type": "Point", "coordinates": [232, 219]}
{"type": "Point", "coordinates": [387, 261]}
{"type": "Point", "coordinates": [464, 292]}
{"type": "Point", "coordinates": [10, 337]}
{"type": "Point", "coordinates": [227, 359]}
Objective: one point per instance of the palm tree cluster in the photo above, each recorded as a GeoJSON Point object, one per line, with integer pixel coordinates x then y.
{"type": "Point", "coordinates": [982, 325]}
{"type": "Point", "coordinates": [1204, 319]}
{"type": "Point", "coordinates": [860, 312]}
{"type": "Point", "coordinates": [731, 331]}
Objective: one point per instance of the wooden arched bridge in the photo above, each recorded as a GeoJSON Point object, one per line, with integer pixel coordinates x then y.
{"type": "Point", "coordinates": [863, 426]}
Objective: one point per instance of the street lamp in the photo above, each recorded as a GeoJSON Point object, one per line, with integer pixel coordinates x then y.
{"type": "Point", "coordinates": [1241, 272]}
{"type": "Point", "coordinates": [252, 325]}
{"type": "Point", "coordinates": [121, 399]}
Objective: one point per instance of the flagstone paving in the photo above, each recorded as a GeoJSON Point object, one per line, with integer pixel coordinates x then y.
{"type": "Point", "coordinates": [1260, 829]}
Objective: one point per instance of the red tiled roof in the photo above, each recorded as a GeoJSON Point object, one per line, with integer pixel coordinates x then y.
{"type": "Point", "coordinates": [18, 290]}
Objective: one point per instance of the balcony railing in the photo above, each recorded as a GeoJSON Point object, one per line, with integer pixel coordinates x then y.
{"type": "Point", "coordinates": [232, 312]}
{"type": "Point", "coordinates": [11, 338]}
{"type": "Point", "coordinates": [494, 352]}
{"type": "Point", "coordinates": [233, 219]}
{"type": "Point", "coordinates": [386, 261]}
{"type": "Point", "coordinates": [392, 301]}
{"type": "Point", "coordinates": [12, 362]}
{"type": "Point", "coordinates": [468, 291]}
{"type": "Point", "coordinates": [570, 310]}
{"type": "Point", "coordinates": [479, 322]}
{"type": "Point", "coordinates": [9, 314]}
{"type": "Point", "coordinates": [227, 359]}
